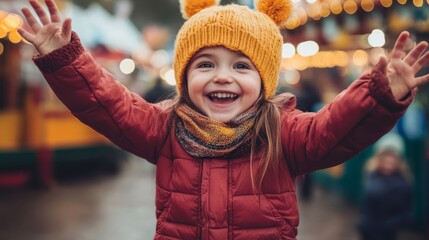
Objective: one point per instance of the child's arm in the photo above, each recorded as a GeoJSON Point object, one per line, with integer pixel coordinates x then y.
{"type": "Point", "coordinates": [90, 92]}
{"type": "Point", "coordinates": [358, 116]}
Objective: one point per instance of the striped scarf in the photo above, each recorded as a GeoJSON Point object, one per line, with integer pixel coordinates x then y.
{"type": "Point", "coordinates": [203, 137]}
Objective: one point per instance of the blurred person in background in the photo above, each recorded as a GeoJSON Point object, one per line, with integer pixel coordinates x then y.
{"type": "Point", "coordinates": [159, 92]}
{"type": "Point", "coordinates": [307, 98]}
{"type": "Point", "coordinates": [387, 198]}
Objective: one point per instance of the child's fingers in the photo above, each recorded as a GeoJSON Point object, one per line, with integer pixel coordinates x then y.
{"type": "Point", "coordinates": [35, 26]}
{"type": "Point", "coordinates": [26, 35]}
{"type": "Point", "coordinates": [66, 29]}
{"type": "Point", "coordinates": [422, 80]}
{"type": "Point", "coordinates": [420, 62]}
{"type": "Point", "coordinates": [382, 64]}
{"type": "Point", "coordinates": [40, 12]}
{"type": "Point", "coordinates": [53, 10]}
{"type": "Point", "coordinates": [415, 53]}
{"type": "Point", "coordinates": [398, 49]}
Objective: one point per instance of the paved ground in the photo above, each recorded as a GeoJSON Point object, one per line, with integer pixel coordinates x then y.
{"type": "Point", "coordinates": [122, 207]}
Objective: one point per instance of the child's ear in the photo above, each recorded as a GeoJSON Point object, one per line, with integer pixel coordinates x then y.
{"type": "Point", "coordinates": [192, 7]}
{"type": "Point", "coordinates": [278, 10]}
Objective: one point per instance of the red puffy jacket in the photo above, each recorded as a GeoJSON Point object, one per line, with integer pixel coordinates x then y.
{"type": "Point", "coordinates": [213, 198]}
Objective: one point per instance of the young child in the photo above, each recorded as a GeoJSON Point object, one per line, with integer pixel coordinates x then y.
{"type": "Point", "coordinates": [227, 150]}
{"type": "Point", "coordinates": [387, 198]}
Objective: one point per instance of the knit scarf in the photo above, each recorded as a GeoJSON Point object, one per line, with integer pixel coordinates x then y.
{"type": "Point", "coordinates": [203, 137]}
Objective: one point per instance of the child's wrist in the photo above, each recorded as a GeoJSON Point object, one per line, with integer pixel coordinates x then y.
{"type": "Point", "coordinates": [383, 94]}
{"type": "Point", "coordinates": [60, 57]}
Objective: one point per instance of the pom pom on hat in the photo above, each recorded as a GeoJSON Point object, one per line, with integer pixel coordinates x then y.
{"type": "Point", "coordinates": [278, 10]}
{"type": "Point", "coordinates": [192, 7]}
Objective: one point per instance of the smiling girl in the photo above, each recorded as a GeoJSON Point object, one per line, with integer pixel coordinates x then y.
{"type": "Point", "coordinates": [227, 150]}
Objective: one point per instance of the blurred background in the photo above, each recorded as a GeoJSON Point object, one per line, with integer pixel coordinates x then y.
{"type": "Point", "coordinates": [61, 180]}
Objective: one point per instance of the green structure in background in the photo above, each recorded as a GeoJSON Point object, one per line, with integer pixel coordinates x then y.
{"type": "Point", "coordinates": [63, 162]}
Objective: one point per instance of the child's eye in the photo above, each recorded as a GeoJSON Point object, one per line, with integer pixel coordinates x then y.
{"type": "Point", "coordinates": [241, 66]}
{"type": "Point", "coordinates": [205, 65]}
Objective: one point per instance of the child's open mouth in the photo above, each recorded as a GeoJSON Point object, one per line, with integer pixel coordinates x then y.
{"type": "Point", "coordinates": [222, 97]}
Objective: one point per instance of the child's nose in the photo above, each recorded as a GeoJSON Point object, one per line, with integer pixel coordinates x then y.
{"type": "Point", "coordinates": [222, 76]}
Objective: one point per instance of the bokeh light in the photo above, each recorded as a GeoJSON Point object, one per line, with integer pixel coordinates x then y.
{"type": "Point", "coordinates": [376, 38]}
{"type": "Point", "coordinates": [350, 6]}
{"type": "Point", "coordinates": [127, 66]}
{"type": "Point", "coordinates": [418, 3]}
{"type": "Point", "coordinates": [3, 32]}
{"type": "Point", "coordinates": [14, 36]}
{"type": "Point", "coordinates": [169, 77]}
{"type": "Point", "coordinates": [341, 58]}
{"type": "Point", "coordinates": [288, 50]}
{"type": "Point", "coordinates": [367, 5]}
{"type": "Point", "coordinates": [159, 58]}
{"type": "Point", "coordinates": [360, 57]}
{"type": "Point", "coordinates": [324, 10]}
{"type": "Point", "coordinates": [336, 7]}
{"type": "Point", "coordinates": [386, 3]}
{"type": "Point", "coordinates": [308, 48]}
{"type": "Point", "coordinates": [292, 77]}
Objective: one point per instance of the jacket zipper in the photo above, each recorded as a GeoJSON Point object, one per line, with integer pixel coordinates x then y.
{"type": "Point", "coordinates": [229, 201]}
{"type": "Point", "coordinates": [200, 217]}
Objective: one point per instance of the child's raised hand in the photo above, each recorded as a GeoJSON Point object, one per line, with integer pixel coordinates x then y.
{"type": "Point", "coordinates": [401, 68]}
{"type": "Point", "coordinates": [52, 33]}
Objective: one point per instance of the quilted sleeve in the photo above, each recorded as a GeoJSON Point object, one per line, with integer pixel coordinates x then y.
{"type": "Point", "coordinates": [357, 117]}
{"type": "Point", "coordinates": [94, 96]}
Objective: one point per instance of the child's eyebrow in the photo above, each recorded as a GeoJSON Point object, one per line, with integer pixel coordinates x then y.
{"type": "Point", "coordinates": [211, 55]}
{"type": "Point", "coordinates": [201, 55]}
{"type": "Point", "coordinates": [239, 54]}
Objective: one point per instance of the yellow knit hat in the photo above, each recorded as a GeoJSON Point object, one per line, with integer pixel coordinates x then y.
{"type": "Point", "coordinates": [254, 33]}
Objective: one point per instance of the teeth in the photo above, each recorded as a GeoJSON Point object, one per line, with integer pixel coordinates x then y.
{"type": "Point", "coordinates": [223, 95]}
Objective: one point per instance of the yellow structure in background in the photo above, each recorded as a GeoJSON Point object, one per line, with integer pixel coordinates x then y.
{"type": "Point", "coordinates": [66, 130]}
{"type": "Point", "coordinates": [10, 129]}
{"type": "Point", "coordinates": [37, 126]}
